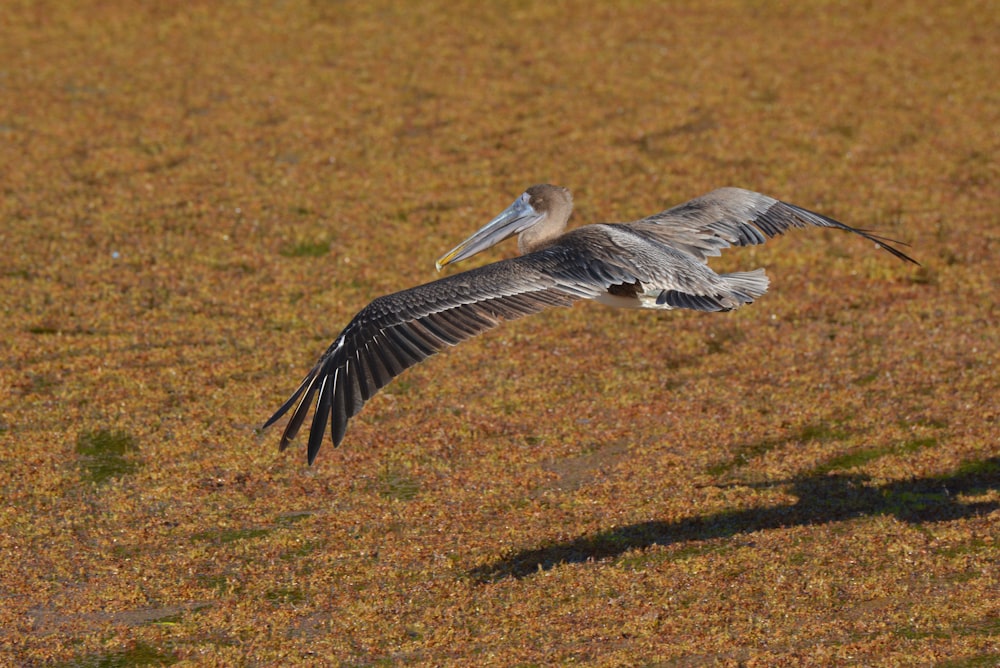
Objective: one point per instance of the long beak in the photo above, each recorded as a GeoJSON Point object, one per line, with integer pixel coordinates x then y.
{"type": "Point", "coordinates": [516, 218]}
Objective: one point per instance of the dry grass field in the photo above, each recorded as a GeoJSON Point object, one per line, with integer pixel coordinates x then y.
{"type": "Point", "coordinates": [197, 197]}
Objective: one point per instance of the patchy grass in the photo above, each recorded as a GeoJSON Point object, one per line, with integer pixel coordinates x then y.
{"type": "Point", "coordinates": [395, 484]}
{"type": "Point", "coordinates": [861, 457]}
{"type": "Point", "coordinates": [139, 655]}
{"type": "Point", "coordinates": [301, 249]}
{"type": "Point", "coordinates": [198, 197]}
{"type": "Point", "coordinates": [103, 454]}
{"type": "Point", "coordinates": [823, 433]}
{"type": "Point", "coordinates": [230, 535]}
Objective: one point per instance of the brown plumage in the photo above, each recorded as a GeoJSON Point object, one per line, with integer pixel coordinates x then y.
{"type": "Point", "coordinates": [657, 262]}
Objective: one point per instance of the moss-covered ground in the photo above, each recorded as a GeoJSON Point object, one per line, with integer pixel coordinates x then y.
{"type": "Point", "coordinates": [196, 197]}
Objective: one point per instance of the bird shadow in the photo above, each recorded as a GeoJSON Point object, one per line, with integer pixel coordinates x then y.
{"type": "Point", "coordinates": [822, 498]}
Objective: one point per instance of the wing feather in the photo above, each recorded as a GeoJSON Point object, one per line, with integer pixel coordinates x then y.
{"type": "Point", "coordinates": [400, 330]}
{"type": "Point", "coordinates": [726, 217]}
{"type": "Point", "coordinates": [660, 259]}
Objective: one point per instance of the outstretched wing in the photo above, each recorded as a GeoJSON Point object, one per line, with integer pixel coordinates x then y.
{"type": "Point", "coordinates": [662, 257]}
{"type": "Point", "coordinates": [727, 217]}
{"type": "Point", "coordinates": [397, 331]}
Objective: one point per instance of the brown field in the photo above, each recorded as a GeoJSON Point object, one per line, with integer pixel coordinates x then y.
{"type": "Point", "coordinates": [197, 197]}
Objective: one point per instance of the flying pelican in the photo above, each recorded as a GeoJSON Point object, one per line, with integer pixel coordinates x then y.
{"type": "Point", "coordinates": [658, 262]}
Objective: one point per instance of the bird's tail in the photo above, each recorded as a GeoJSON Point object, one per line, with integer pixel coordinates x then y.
{"type": "Point", "coordinates": [728, 292]}
{"type": "Point", "coordinates": [745, 286]}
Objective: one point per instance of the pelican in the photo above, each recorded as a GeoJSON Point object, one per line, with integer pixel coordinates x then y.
{"type": "Point", "coordinates": [658, 262]}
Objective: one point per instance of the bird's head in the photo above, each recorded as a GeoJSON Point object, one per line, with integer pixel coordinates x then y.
{"type": "Point", "coordinates": [539, 214]}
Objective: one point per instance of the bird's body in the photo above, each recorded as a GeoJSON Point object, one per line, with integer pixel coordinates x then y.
{"type": "Point", "coordinates": [657, 262]}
